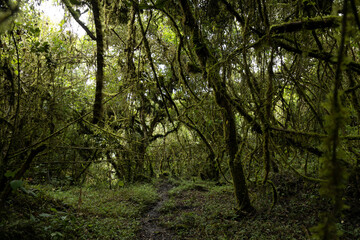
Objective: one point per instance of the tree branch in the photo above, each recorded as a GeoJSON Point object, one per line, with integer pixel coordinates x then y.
{"type": "Point", "coordinates": [76, 16]}
{"type": "Point", "coordinates": [153, 138]}
{"type": "Point", "coordinates": [20, 173]}
{"type": "Point", "coordinates": [327, 57]}
{"type": "Point", "coordinates": [309, 24]}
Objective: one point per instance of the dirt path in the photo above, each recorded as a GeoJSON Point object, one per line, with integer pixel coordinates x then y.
{"type": "Point", "coordinates": [151, 229]}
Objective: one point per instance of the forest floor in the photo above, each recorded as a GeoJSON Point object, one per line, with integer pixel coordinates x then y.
{"type": "Point", "coordinates": [172, 209]}
{"type": "Point", "coordinates": [151, 229]}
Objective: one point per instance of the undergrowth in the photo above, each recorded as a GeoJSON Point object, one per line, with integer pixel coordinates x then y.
{"type": "Point", "coordinates": [77, 213]}
{"type": "Point", "coordinates": [193, 209]}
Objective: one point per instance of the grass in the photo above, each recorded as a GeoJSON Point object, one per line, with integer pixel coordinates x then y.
{"type": "Point", "coordinates": [202, 210]}
{"type": "Point", "coordinates": [126, 202]}
{"type": "Point", "coordinates": [193, 209]}
{"type": "Point", "coordinates": [58, 214]}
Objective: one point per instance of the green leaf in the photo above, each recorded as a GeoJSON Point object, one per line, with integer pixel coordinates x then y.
{"type": "Point", "coordinates": [31, 193]}
{"type": "Point", "coordinates": [32, 218]}
{"type": "Point", "coordinates": [15, 184]}
{"type": "Point", "coordinates": [46, 215]}
{"type": "Point", "coordinates": [10, 174]}
{"type": "Point", "coordinates": [34, 31]}
{"type": "Point", "coordinates": [56, 234]}
{"type": "Point", "coordinates": [121, 183]}
{"type": "Point", "coordinates": [61, 24]}
{"type": "Point", "coordinates": [23, 189]}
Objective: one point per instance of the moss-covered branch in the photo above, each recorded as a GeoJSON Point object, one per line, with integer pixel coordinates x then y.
{"type": "Point", "coordinates": [307, 24]}
{"type": "Point", "coordinates": [76, 16]}
{"type": "Point", "coordinates": [209, 65]}
{"type": "Point", "coordinates": [327, 57]}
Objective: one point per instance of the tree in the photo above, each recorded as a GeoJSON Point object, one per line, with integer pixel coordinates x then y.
{"type": "Point", "coordinates": [253, 82]}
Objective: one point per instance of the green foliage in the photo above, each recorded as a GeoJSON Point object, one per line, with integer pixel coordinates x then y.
{"type": "Point", "coordinates": [168, 207]}
{"type": "Point", "coordinates": [187, 185]}
{"type": "Point", "coordinates": [161, 118]}
{"type": "Point", "coordinates": [102, 213]}
{"type": "Point", "coordinates": [198, 214]}
{"type": "Point", "coordinates": [16, 184]}
{"type": "Point", "coordinates": [332, 170]}
{"type": "Point", "coordinates": [326, 229]}
{"type": "Point", "coordinates": [132, 199]}
{"type": "Point", "coordinates": [10, 174]}
{"type": "Point", "coordinates": [167, 34]}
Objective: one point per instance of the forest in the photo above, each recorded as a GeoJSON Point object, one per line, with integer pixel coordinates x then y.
{"type": "Point", "coordinates": [180, 119]}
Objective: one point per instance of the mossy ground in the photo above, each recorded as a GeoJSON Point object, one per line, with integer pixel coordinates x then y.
{"type": "Point", "coordinates": [59, 214]}
{"type": "Point", "coordinates": [193, 209]}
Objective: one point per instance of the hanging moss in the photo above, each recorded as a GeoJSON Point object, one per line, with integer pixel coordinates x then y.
{"type": "Point", "coordinates": [331, 167]}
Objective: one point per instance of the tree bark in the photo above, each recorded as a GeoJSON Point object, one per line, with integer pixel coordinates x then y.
{"type": "Point", "coordinates": [309, 24]}
{"type": "Point", "coordinates": [211, 74]}
{"type": "Point", "coordinates": [98, 104]}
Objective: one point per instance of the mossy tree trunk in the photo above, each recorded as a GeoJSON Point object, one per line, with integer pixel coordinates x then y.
{"type": "Point", "coordinates": [98, 104]}
{"type": "Point", "coordinates": [20, 172]}
{"type": "Point", "coordinates": [230, 135]}
{"type": "Point", "coordinates": [211, 73]}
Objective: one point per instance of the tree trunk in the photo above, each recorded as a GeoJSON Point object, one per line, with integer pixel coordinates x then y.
{"type": "Point", "coordinates": [212, 75]}
{"type": "Point", "coordinates": [230, 130]}
{"type": "Point", "coordinates": [98, 104]}
{"type": "Point", "coordinates": [20, 173]}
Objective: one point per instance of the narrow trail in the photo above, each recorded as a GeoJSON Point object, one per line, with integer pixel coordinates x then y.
{"type": "Point", "coordinates": [151, 229]}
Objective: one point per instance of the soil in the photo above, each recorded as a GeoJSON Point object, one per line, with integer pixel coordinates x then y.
{"type": "Point", "coordinates": [151, 228]}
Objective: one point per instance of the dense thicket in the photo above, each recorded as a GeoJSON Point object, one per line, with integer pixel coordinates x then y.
{"type": "Point", "coordinates": [222, 89]}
